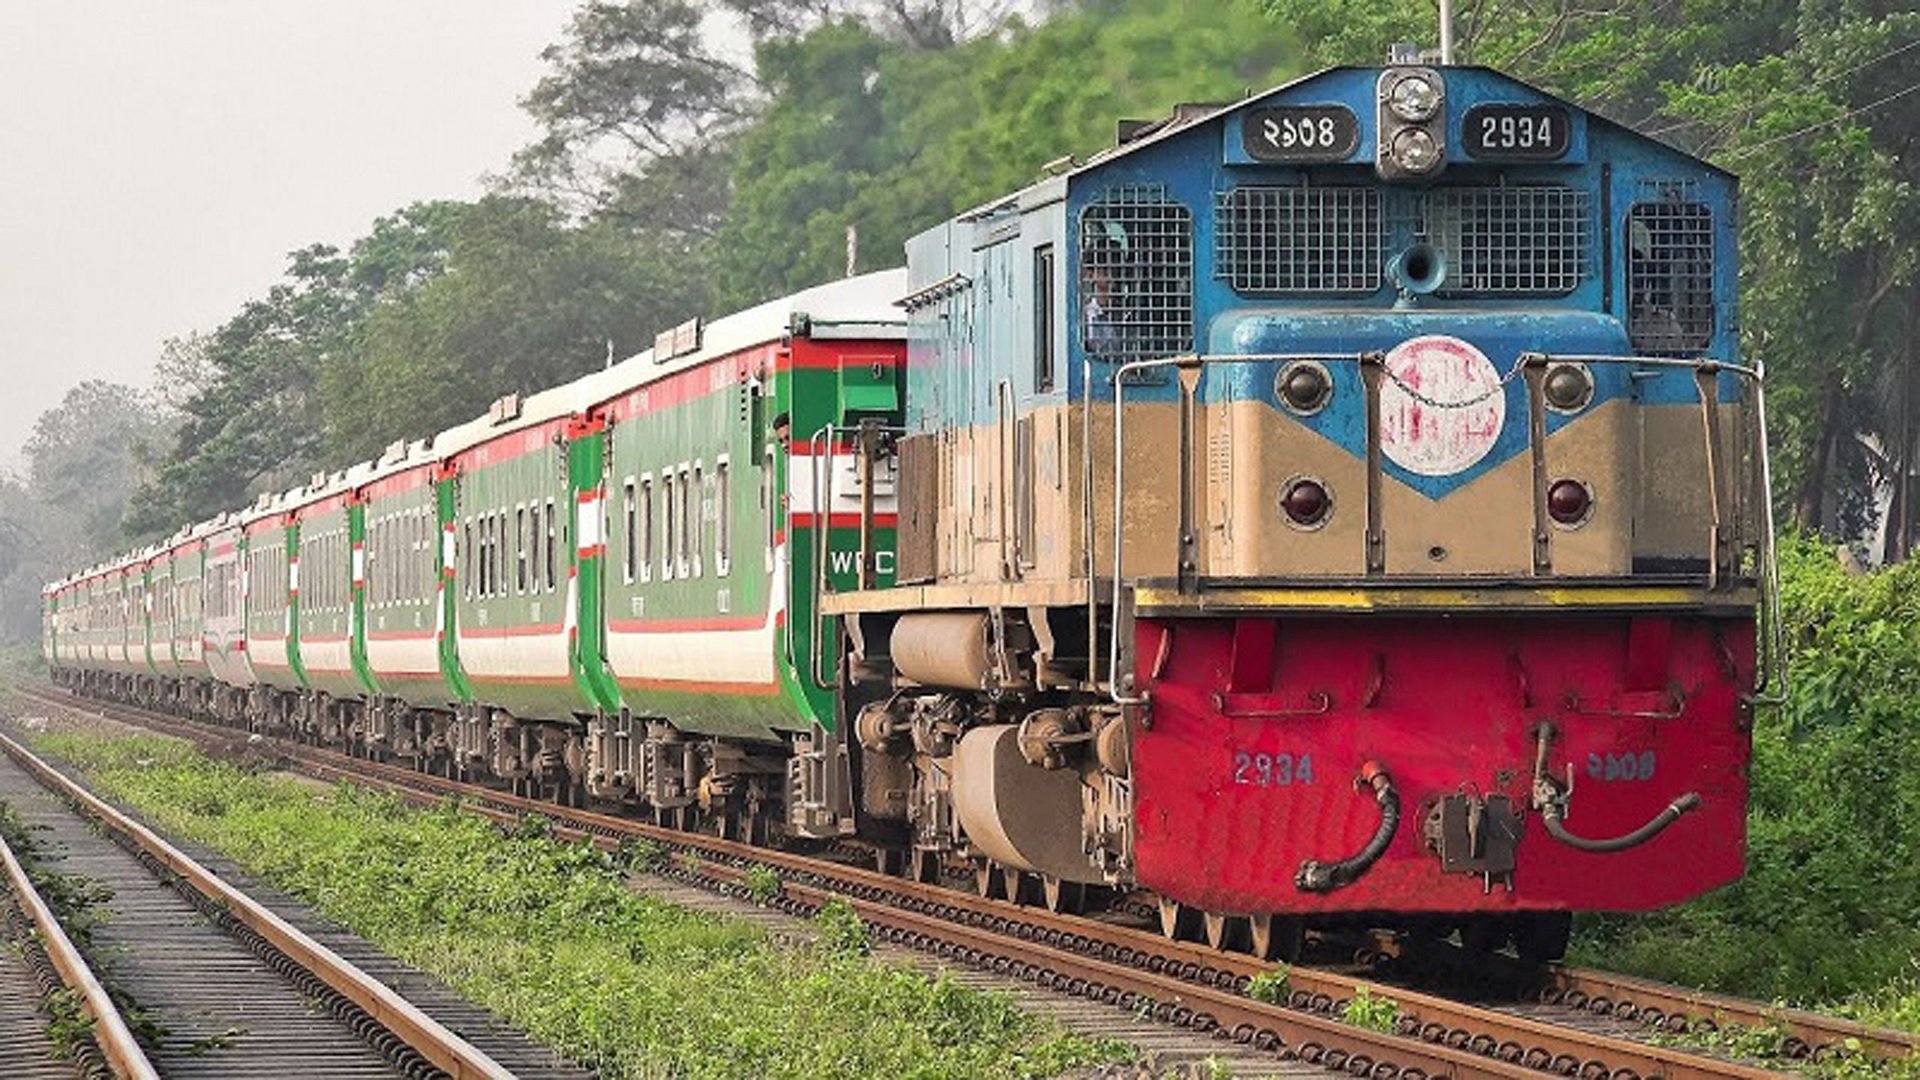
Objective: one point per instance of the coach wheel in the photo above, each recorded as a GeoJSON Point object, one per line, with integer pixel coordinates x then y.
{"type": "Point", "coordinates": [1541, 937]}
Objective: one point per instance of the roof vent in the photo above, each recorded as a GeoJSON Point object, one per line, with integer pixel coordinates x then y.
{"type": "Point", "coordinates": [504, 408]}
{"type": "Point", "coordinates": [1183, 114]}
{"type": "Point", "coordinates": [679, 341]}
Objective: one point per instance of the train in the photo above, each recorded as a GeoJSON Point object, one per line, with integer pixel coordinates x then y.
{"type": "Point", "coordinates": [1343, 506]}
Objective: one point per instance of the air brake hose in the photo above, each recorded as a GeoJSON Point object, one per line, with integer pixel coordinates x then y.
{"type": "Point", "coordinates": [1318, 877]}
{"type": "Point", "coordinates": [1555, 809]}
{"type": "Point", "coordinates": [1552, 803]}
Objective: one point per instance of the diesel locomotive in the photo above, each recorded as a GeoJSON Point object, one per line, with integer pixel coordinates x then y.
{"type": "Point", "coordinates": [1347, 504]}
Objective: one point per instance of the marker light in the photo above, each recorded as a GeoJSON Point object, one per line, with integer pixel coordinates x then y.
{"type": "Point", "coordinates": [1414, 99]}
{"type": "Point", "coordinates": [1306, 502]}
{"type": "Point", "coordinates": [1303, 386]}
{"type": "Point", "coordinates": [1568, 387]}
{"type": "Point", "coordinates": [1569, 502]}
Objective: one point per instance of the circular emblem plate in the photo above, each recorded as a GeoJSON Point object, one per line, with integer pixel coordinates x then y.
{"type": "Point", "coordinates": [1441, 405]}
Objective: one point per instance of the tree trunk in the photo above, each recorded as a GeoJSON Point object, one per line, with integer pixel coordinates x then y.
{"type": "Point", "coordinates": [1811, 502]}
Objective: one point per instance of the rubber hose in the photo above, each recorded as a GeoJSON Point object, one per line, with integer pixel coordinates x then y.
{"type": "Point", "coordinates": [1555, 828]}
{"type": "Point", "coordinates": [1316, 876]}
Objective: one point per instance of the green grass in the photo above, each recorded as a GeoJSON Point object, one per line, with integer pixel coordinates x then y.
{"type": "Point", "coordinates": [546, 934]}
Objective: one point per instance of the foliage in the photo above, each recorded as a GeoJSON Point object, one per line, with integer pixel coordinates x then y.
{"type": "Point", "coordinates": [549, 935]}
{"type": "Point", "coordinates": [1826, 910]}
{"type": "Point", "coordinates": [1366, 1010]}
{"type": "Point", "coordinates": [842, 933]}
{"type": "Point", "coordinates": [868, 132]}
{"type": "Point", "coordinates": [763, 883]}
{"type": "Point", "coordinates": [1271, 987]}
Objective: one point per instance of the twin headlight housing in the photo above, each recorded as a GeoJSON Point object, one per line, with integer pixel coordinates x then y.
{"type": "Point", "coordinates": [1412, 123]}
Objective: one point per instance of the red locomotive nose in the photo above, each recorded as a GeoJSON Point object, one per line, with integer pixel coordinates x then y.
{"type": "Point", "coordinates": [1568, 502]}
{"type": "Point", "coordinates": [1306, 502]}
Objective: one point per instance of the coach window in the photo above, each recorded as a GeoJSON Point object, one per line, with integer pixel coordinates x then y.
{"type": "Point", "coordinates": [644, 558]}
{"type": "Point", "coordinates": [502, 584]}
{"type": "Point", "coordinates": [520, 549]}
{"type": "Point", "coordinates": [722, 520]}
{"type": "Point", "coordinates": [487, 543]}
{"type": "Point", "coordinates": [533, 547]}
{"type": "Point", "coordinates": [700, 500]}
{"type": "Point", "coordinates": [553, 545]}
{"type": "Point", "coordinates": [466, 558]}
{"type": "Point", "coordinates": [671, 524]}
{"type": "Point", "coordinates": [630, 536]}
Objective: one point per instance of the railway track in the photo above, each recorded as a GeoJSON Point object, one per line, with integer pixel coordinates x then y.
{"type": "Point", "coordinates": [225, 986]}
{"type": "Point", "coordinates": [1582, 1030]}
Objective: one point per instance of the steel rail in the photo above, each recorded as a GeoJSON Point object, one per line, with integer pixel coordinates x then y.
{"type": "Point", "coordinates": [110, 1032]}
{"type": "Point", "coordinates": [1651, 1002]}
{"type": "Point", "coordinates": [427, 1036]}
{"type": "Point", "coordinates": [1532, 1043]}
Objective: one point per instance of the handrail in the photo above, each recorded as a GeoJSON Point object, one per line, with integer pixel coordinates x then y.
{"type": "Point", "coordinates": [1772, 665]}
{"type": "Point", "coordinates": [823, 490]}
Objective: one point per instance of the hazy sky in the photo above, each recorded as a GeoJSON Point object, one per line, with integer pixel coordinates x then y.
{"type": "Point", "coordinates": [159, 158]}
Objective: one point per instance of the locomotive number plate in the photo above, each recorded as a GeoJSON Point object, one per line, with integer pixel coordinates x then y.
{"type": "Point", "coordinates": [1272, 770]}
{"type": "Point", "coordinates": [1517, 132]}
{"type": "Point", "coordinates": [1295, 134]}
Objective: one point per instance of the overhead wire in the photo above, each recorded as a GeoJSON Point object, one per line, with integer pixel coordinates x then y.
{"type": "Point", "coordinates": [1829, 122]}
{"type": "Point", "coordinates": [1821, 81]}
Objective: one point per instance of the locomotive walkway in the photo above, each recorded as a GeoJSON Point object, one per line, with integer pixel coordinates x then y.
{"type": "Point", "coordinates": [224, 986]}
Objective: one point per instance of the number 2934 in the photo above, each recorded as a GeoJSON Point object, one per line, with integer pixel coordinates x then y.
{"type": "Point", "coordinates": [1272, 770]}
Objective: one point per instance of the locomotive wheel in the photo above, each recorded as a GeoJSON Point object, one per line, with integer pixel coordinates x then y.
{"type": "Point", "coordinates": [1276, 937]}
{"type": "Point", "coordinates": [1541, 937]}
{"type": "Point", "coordinates": [1063, 897]}
{"type": "Point", "coordinates": [990, 881]}
{"type": "Point", "coordinates": [926, 866]}
{"type": "Point", "coordinates": [1178, 921]}
{"type": "Point", "coordinates": [1024, 888]}
{"type": "Point", "coordinates": [1483, 935]}
{"type": "Point", "coordinates": [1227, 933]}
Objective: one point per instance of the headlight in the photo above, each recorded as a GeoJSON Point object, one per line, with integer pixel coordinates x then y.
{"type": "Point", "coordinates": [1414, 99]}
{"type": "Point", "coordinates": [1415, 151]}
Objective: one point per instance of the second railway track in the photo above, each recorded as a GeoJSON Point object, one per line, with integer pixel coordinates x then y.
{"type": "Point", "coordinates": [224, 986]}
{"type": "Point", "coordinates": [1583, 1031]}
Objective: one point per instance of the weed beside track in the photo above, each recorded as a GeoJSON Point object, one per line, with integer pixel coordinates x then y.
{"type": "Point", "coordinates": [547, 934]}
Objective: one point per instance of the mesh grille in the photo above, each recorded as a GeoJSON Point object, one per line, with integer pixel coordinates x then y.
{"type": "Point", "coordinates": [1670, 276]}
{"type": "Point", "coordinates": [1298, 239]}
{"type": "Point", "coordinates": [1136, 275]}
{"type": "Point", "coordinates": [1510, 241]}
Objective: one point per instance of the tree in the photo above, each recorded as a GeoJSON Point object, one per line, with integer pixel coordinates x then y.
{"type": "Point", "coordinates": [872, 132]}
{"type": "Point", "coordinates": [522, 301]}
{"type": "Point", "coordinates": [83, 460]}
